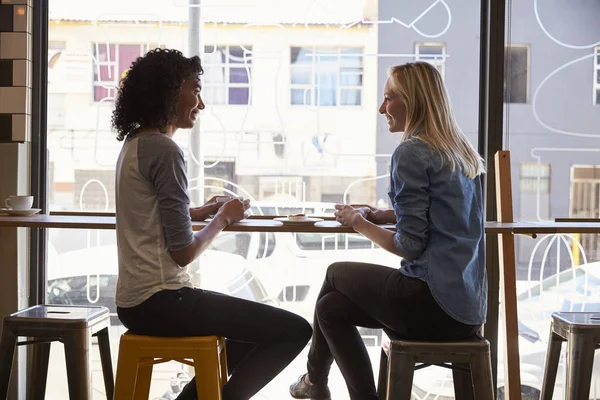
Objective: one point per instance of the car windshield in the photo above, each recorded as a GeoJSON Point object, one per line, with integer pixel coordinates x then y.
{"type": "Point", "coordinates": [577, 280]}
{"type": "Point", "coordinates": [232, 242]}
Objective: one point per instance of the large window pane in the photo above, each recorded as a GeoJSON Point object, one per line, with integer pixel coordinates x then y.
{"type": "Point", "coordinates": [552, 129]}
{"type": "Point", "coordinates": [292, 91]}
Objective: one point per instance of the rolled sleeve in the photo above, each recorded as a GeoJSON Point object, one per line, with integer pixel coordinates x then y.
{"type": "Point", "coordinates": [410, 199]}
{"type": "Point", "coordinates": [167, 173]}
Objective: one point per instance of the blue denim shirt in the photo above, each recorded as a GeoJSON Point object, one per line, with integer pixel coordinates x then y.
{"type": "Point", "coordinates": [440, 227]}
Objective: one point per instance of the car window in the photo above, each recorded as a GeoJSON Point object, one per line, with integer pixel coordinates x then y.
{"type": "Point", "coordinates": [266, 245]}
{"type": "Point", "coordinates": [74, 290]}
{"type": "Point", "coordinates": [345, 241]}
{"type": "Point", "coordinates": [232, 242]}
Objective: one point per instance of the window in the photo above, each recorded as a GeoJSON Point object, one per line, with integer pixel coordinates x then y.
{"type": "Point", "coordinates": [326, 76]}
{"type": "Point", "coordinates": [597, 76]}
{"type": "Point", "coordinates": [432, 53]}
{"type": "Point", "coordinates": [111, 62]}
{"type": "Point", "coordinates": [227, 74]}
{"type": "Point", "coordinates": [343, 241]}
{"type": "Point", "coordinates": [535, 177]}
{"type": "Point", "coordinates": [516, 83]}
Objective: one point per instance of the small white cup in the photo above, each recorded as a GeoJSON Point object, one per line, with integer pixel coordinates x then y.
{"type": "Point", "coordinates": [19, 202]}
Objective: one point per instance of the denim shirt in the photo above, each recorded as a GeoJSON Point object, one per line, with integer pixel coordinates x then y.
{"type": "Point", "coordinates": [440, 227]}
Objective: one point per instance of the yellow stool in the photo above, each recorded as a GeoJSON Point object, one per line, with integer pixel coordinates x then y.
{"type": "Point", "coordinates": [137, 355]}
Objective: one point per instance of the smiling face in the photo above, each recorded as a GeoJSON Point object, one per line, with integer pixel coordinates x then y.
{"type": "Point", "coordinates": [189, 105]}
{"type": "Point", "coordinates": [393, 109]}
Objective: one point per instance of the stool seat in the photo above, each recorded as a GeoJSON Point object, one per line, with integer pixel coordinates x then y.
{"type": "Point", "coordinates": [581, 331]}
{"type": "Point", "coordinates": [72, 325]}
{"type": "Point", "coordinates": [469, 360]}
{"type": "Point", "coordinates": [138, 354]}
{"type": "Point", "coordinates": [59, 317]}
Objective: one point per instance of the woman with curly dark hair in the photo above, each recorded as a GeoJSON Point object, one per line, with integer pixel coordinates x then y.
{"type": "Point", "coordinates": [159, 95]}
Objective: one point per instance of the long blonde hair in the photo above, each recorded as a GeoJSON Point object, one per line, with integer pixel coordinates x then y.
{"type": "Point", "coordinates": [430, 118]}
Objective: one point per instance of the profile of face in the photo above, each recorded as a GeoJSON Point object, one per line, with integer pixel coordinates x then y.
{"type": "Point", "coordinates": [189, 104]}
{"type": "Point", "coordinates": [393, 109]}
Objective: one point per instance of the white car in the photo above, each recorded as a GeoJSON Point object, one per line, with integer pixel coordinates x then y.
{"type": "Point", "coordinates": [576, 289]}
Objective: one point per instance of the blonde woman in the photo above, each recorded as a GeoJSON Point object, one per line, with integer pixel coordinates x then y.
{"type": "Point", "coordinates": [440, 290]}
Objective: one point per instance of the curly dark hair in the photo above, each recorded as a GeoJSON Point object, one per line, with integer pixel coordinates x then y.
{"type": "Point", "coordinates": [150, 90]}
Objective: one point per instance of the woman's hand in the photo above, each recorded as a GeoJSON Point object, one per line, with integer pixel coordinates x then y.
{"type": "Point", "coordinates": [377, 215]}
{"type": "Point", "coordinates": [347, 215]}
{"type": "Point", "coordinates": [204, 211]}
{"type": "Point", "coordinates": [208, 209]}
{"type": "Point", "coordinates": [233, 211]}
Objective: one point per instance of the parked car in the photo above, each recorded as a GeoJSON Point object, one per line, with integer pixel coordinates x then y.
{"type": "Point", "coordinates": [575, 289]}
{"type": "Point", "coordinates": [89, 277]}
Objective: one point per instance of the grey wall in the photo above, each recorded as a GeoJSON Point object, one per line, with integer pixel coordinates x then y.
{"type": "Point", "coordinates": [564, 101]}
{"type": "Point", "coordinates": [462, 67]}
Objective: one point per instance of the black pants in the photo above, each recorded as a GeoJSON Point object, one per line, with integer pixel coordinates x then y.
{"type": "Point", "coordinates": [261, 340]}
{"type": "Point", "coordinates": [372, 296]}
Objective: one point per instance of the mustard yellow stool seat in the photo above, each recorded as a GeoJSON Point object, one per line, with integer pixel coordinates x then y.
{"type": "Point", "coordinates": [137, 355]}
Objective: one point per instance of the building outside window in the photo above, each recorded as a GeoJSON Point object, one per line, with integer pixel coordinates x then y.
{"type": "Point", "coordinates": [516, 82]}
{"type": "Point", "coordinates": [111, 62]}
{"type": "Point", "coordinates": [535, 178]}
{"type": "Point", "coordinates": [326, 76]}
{"type": "Point", "coordinates": [227, 73]}
{"type": "Point", "coordinates": [432, 53]}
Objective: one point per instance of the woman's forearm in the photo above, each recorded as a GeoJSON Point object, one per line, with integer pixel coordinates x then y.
{"type": "Point", "coordinates": [382, 237]}
{"type": "Point", "coordinates": [202, 212]}
{"type": "Point", "coordinates": [385, 216]}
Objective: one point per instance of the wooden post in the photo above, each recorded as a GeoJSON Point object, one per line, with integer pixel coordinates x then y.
{"type": "Point", "coordinates": [508, 279]}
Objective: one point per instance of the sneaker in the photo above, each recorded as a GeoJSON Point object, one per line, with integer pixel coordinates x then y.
{"type": "Point", "coordinates": [301, 390]}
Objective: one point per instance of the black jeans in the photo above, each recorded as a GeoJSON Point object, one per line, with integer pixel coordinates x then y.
{"type": "Point", "coordinates": [372, 296]}
{"type": "Point", "coordinates": [261, 340]}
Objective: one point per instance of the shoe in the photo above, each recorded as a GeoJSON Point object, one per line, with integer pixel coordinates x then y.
{"type": "Point", "coordinates": [301, 390]}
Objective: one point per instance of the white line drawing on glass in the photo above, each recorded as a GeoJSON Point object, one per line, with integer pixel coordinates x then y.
{"type": "Point", "coordinates": [537, 91]}
{"type": "Point", "coordinates": [412, 24]}
{"type": "Point", "coordinates": [555, 40]}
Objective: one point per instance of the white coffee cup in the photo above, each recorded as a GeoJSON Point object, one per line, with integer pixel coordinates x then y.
{"type": "Point", "coordinates": [19, 202]}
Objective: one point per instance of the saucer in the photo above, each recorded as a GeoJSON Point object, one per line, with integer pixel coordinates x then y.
{"type": "Point", "coordinates": [307, 220]}
{"type": "Point", "coordinates": [22, 213]}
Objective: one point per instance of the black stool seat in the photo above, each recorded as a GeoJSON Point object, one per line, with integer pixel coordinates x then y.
{"type": "Point", "coordinates": [581, 331]}
{"type": "Point", "coordinates": [469, 360]}
{"type": "Point", "coordinates": [73, 326]}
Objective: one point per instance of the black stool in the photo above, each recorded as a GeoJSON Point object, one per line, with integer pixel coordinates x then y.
{"type": "Point", "coordinates": [469, 360]}
{"type": "Point", "coordinates": [581, 331]}
{"type": "Point", "coordinates": [74, 327]}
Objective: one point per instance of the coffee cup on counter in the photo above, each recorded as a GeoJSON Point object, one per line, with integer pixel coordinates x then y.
{"type": "Point", "coordinates": [19, 202]}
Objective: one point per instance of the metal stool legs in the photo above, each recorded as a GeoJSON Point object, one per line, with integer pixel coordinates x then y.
{"type": "Point", "coordinates": [580, 361]}
{"type": "Point", "coordinates": [106, 360]}
{"type": "Point", "coordinates": [77, 349]}
{"type": "Point", "coordinates": [39, 370]}
{"type": "Point", "coordinates": [551, 367]}
{"type": "Point", "coordinates": [481, 376]}
{"type": "Point", "coordinates": [400, 376]}
{"type": "Point", "coordinates": [463, 382]}
{"type": "Point", "coordinates": [8, 344]}
{"type": "Point", "coordinates": [469, 361]}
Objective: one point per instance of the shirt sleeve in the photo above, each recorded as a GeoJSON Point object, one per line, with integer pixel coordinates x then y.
{"type": "Point", "coordinates": [164, 166]}
{"type": "Point", "coordinates": [410, 200]}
